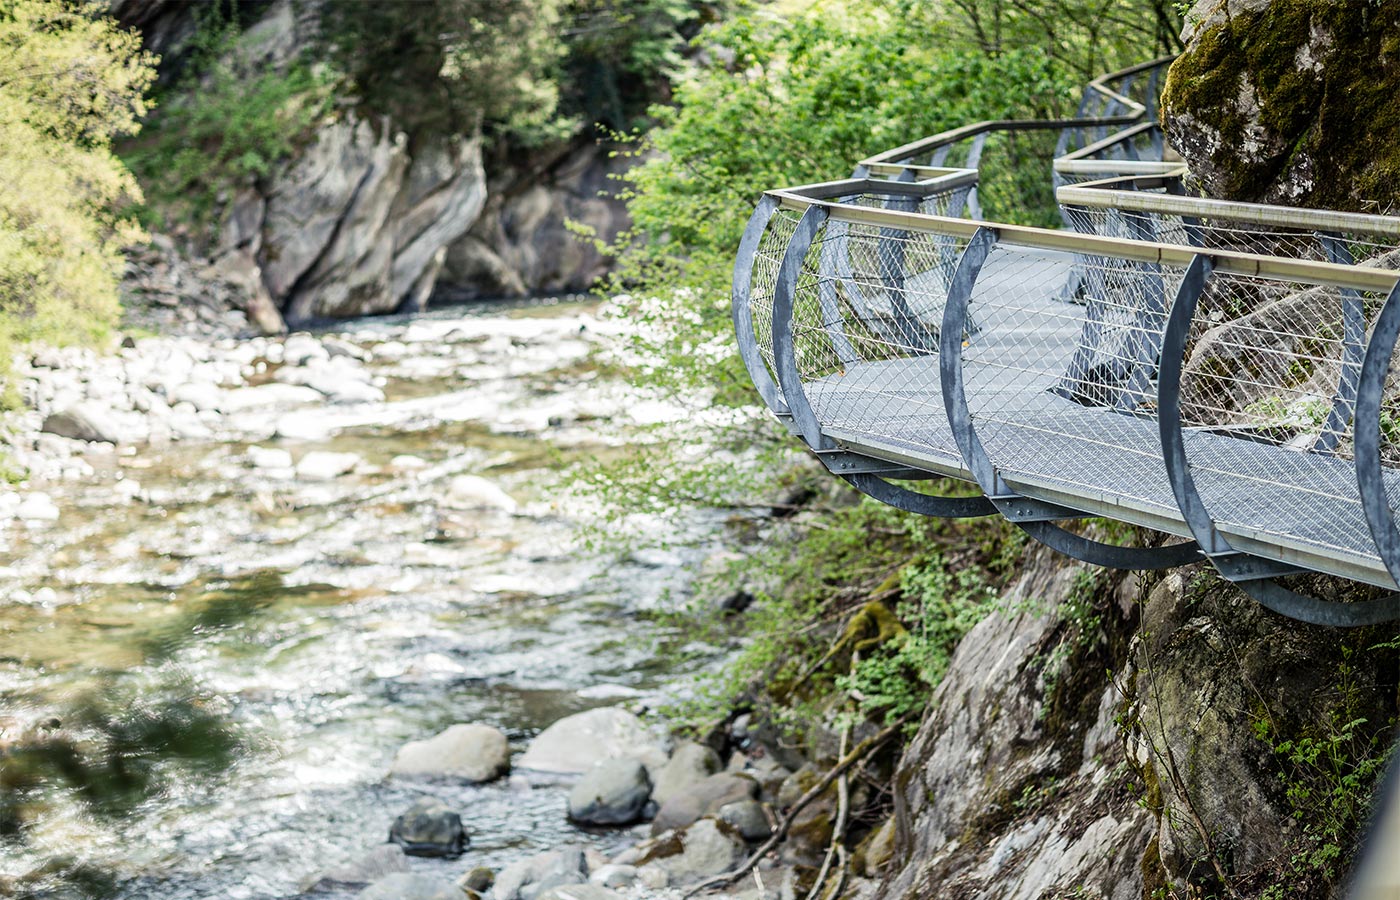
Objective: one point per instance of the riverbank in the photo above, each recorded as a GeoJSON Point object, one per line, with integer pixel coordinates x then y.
{"type": "Point", "coordinates": [321, 547]}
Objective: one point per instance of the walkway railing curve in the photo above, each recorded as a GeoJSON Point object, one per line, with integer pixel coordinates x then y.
{"type": "Point", "coordinates": [1220, 372]}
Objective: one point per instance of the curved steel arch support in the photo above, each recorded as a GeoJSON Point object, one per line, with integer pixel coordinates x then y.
{"type": "Point", "coordinates": [784, 347]}
{"type": "Point", "coordinates": [1366, 434]}
{"type": "Point", "coordinates": [975, 454]}
{"type": "Point", "coordinates": [1231, 564]}
{"type": "Point", "coordinates": [923, 504]}
{"type": "Point", "coordinates": [741, 312]}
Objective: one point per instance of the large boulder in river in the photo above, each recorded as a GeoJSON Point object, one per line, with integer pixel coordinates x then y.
{"type": "Point", "coordinates": [473, 752]}
{"type": "Point", "coordinates": [708, 847]}
{"type": "Point", "coordinates": [429, 828]}
{"type": "Point", "coordinates": [85, 421]}
{"type": "Point", "coordinates": [573, 745]}
{"type": "Point", "coordinates": [614, 792]}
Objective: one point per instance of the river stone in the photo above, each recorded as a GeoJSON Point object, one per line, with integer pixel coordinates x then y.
{"type": "Point", "coordinates": [748, 819]}
{"type": "Point", "coordinates": [475, 492]}
{"type": "Point", "coordinates": [478, 880]}
{"type": "Point", "coordinates": [703, 799]}
{"type": "Point", "coordinates": [429, 828]}
{"type": "Point", "coordinates": [202, 395]}
{"type": "Point", "coordinates": [324, 465]}
{"type": "Point", "coordinates": [407, 886]}
{"type": "Point", "coordinates": [383, 860]}
{"type": "Point", "coordinates": [614, 792]}
{"type": "Point", "coordinates": [86, 421]}
{"type": "Point", "coordinates": [37, 507]}
{"type": "Point", "coordinates": [706, 848]}
{"type": "Point", "coordinates": [614, 875]}
{"type": "Point", "coordinates": [472, 752]}
{"type": "Point", "coordinates": [578, 892]}
{"type": "Point", "coordinates": [690, 764]}
{"type": "Point", "coordinates": [526, 878]}
{"type": "Point", "coordinates": [269, 458]}
{"type": "Point", "coordinates": [575, 743]}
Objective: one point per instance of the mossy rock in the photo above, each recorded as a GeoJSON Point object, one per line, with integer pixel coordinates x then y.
{"type": "Point", "coordinates": [1291, 101]}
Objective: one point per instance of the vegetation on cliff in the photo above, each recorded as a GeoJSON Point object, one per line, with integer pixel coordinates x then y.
{"type": "Point", "coordinates": [70, 83]}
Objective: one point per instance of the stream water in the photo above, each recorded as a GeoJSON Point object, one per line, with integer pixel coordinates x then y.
{"type": "Point", "coordinates": [253, 646]}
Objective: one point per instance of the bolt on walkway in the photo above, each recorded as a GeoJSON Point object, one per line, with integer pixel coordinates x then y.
{"type": "Point", "coordinates": [1218, 371]}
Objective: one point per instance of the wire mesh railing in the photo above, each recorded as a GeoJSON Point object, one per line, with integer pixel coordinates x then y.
{"type": "Point", "coordinates": [1221, 372]}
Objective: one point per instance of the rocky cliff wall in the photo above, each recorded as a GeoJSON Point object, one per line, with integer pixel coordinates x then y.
{"type": "Point", "coordinates": [1290, 101]}
{"type": "Point", "coordinates": [1119, 738]}
{"type": "Point", "coordinates": [357, 222]}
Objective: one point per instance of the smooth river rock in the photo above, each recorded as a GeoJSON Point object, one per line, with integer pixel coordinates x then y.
{"type": "Point", "coordinates": [429, 828]}
{"type": "Point", "coordinates": [704, 799]}
{"type": "Point", "coordinates": [574, 744]}
{"type": "Point", "coordinates": [86, 421]}
{"type": "Point", "coordinates": [473, 753]}
{"type": "Point", "coordinates": [475, 492]}
{"type": "Point", "coordinates": [690, 764]}
{"type": "Point", "coordinates": [527, 878]}
{"type": "Point", "coordinates": [324, 465]}
{"type": "Point", "coordinates": [613, 792]}
{"type": "Point", "coordinates": [406, 886]}
{"type": "Point", "coordinates": [706, 848]}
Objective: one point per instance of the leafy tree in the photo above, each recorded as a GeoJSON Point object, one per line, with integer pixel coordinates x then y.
{"type": "Point", "coordinates": [452, 66]}
{"type": "Point", "coordinates": [70, 81]}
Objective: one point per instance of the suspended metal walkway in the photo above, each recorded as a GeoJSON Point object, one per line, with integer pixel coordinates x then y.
{"type": "Point", "coordinates": [1217, 371]}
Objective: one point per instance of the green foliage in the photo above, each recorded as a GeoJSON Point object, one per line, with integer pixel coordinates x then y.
{"type": "Point", "coordinates": [227, 121]}
{"type": "Point", "coordinates": [801, 640]}
{"type": "Point", "coordinates": [621, 56]}
{"type": "Point", "coordinates": [941, 604]}
{"type": "Point", "coordinates": [451, 67]}
{"type": "Point", "coordinates": [1329, 771]}
{"type": "Point", "coordinates": [70, 81]}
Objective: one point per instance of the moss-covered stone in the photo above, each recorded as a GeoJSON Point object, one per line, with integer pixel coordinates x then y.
{"type": "Point", "coordinates": [1291, 101]}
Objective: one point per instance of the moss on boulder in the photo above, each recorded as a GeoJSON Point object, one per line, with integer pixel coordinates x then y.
{"type": "Point", "coordinates": [1290, 101]}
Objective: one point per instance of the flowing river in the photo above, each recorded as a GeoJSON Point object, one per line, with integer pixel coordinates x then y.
{"type": "Point", "coordinates": [257, 643]}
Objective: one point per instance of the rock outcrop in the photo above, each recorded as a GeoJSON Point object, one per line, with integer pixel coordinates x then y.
{"type": "Point", "coordinates": [1290, 101]}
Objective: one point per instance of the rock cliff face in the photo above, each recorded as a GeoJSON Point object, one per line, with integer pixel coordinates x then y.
{"type": "Point", "coordinates": [1117, 740]}
{"type": "Point", "coordinates": [1290, 101]}
{"type": "Point", "coordinates": [359, 223]}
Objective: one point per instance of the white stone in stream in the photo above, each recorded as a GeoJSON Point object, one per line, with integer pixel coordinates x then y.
{"type": "Point", "coordinates": [299, 427]}
{"type": "Point", "coordinates": [269, 458]}
{"type": "Point", "coordinates": [406, 463]}
{"type": "Point", "coordinates": [474, 753]}
{"type": "Point", "coordinates": [578, 892]}
{"type": "Point", "coordinates": [337, 347]}
{"type": "Point", "coordinates": [475, 492]}
{"type": "Point", "coordinates": [264, 395]}
{"type": "Point", "coordinates": [37, 507]}
{"type": "Point", "coordinates": [202, 395]}
{"type": "Point", "coordinates": [339, 388]}
{"type": "Point", "coordinates": [299, 349]}
{"type": "Point", "coordinates": [128, 488]}
{"type": "Point", "coordinates": [324, 465]}
{"type": "Point", "coordinates": [612, 875]}
{"type": "Point", "coordinates": [574, 744]}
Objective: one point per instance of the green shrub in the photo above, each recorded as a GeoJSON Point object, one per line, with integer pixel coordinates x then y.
{"type": "Point", "coordinates": [222, 125]}
{"type": "Point", "coordinates": [70, 81]}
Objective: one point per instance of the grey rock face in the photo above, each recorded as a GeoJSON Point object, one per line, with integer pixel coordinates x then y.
{"type": "Point", "coordinates": [748, 818]}
{"type": "Point", "coordinates": [471, 752]}
{"type": "Point", "coordinates": [429, 828]}
{"type": "Point", "coordinates": [614, 792]}
{"type": "Point", "coordinates": [706, 848]}
{"type": "Point", "coordinates": [690, 764]}
{"type": "Point", "coordinates": [405, 886]}
{"type": "Point", "coordinates": [575, 743]}
{"type": "Point", "coordinates": [703, 799]}
{"type": "Point", "coordinates": [526, 879]}
{"type": "Point", "coordinates": [86, 421]}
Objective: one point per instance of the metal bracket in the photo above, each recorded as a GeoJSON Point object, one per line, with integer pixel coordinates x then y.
{"type": "Point", "coordinates": [922, 504]}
